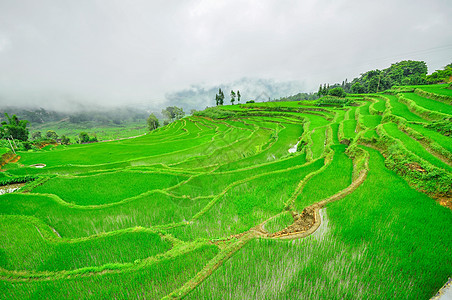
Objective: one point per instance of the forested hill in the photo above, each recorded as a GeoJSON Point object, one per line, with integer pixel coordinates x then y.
{"type": "Point", "coordinates": [407, 72]}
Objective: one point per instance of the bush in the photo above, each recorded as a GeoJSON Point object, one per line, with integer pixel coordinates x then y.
{"type": "Point", "coordinates": [65, 140]}
{"type": "Point", "coordinates": [337, 92]}
{"type": "Point", "coordinates": [84, 137]}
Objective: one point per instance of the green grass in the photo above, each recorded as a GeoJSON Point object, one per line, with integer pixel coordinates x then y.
{"type": "Point", "coordinates": [371, 121]}
{"type": "Point", "coordinates": [73, 222]}
{"type": "Point", "coordinates": [278, 148]}
{"type": "Point", "coordinates": [335, 177]}
{"type": "Point", "coordinates": [364, 108]}
{"type": "Point", "coordinates": [373, 244]}
{"type": "Point", "coordinates": [280, 222]}
{"type": "Point", "coordinates": [142, 217]}
{"type": "Point", "coordinates": [444, 141]}
{"type": "Point", "coordinates": [152, 281]}
{"type": "Point", "coordinates": [380, 105]}
{"type": "Point", "coordinates": [246, 205]}
{"type": "Point", "coordinates": [415, 147]}
{"type": "Point", "coordinates": [429, 103]}
{"type": "Point", "coordinates": [349, 128]}
{"type": "Point", "coordinates": [318, 137]}
{"type": "Point", "coordinates": [214, 183]}
{"type": "Point", "coordinates": [107, 188]}
{"type": "Point", "coordinates": [371, 134]}
{"type": "Point", "coordinates": [24, 248]}
{"type": "Point", "coordinates": [440, 89]}
{"type": "Point", "coordinates": [401, 110]}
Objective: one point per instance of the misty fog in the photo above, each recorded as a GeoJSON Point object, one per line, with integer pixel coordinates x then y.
{"type": "Point", "coordinates": [76, 55]}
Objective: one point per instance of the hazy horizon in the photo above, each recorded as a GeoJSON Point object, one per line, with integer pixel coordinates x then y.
{"type": "Point", "coordinates": [67, 54]}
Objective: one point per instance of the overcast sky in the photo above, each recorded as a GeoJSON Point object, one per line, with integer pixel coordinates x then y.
{"type": "Point", "coordinates": [111, 51]}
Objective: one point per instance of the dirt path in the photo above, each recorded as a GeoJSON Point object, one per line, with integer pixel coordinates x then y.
{"type": "Point", "coordinates": [308, 221]}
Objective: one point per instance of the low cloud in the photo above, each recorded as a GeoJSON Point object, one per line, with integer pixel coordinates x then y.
{"type": "Point", "coordinates": [67, 53]}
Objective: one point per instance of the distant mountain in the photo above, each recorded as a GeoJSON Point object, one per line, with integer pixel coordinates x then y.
{"type": "Point", "coordinates": [201, 96]}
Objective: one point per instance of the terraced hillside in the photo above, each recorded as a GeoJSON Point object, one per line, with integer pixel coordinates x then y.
{"type": "Point", "coordinates": [277, 200]}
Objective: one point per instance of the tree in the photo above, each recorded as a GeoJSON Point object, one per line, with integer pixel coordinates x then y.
{"type": "Point", "coordinates": [173, 113]}
{"type": "Point", "coordinates": [15, 128]}
{"type": "Point", "coordinates": [93, 138]}
{"type": "Point", "coordinates": [238, 96]}
{"type": "Point", "coordinates": [220, 97]}
{"type": "Point", "coordinates": [232, 97]}
{"type": "Point", "coordinates": [153, 122]}
{"type": "Point", "coordinates": [440, 75]}
{"type": "Point", "coordinates": [51, 135]}
{"type": "Point", "coordinates": [84, 137]}
{"type": "Point", "coordinates": [65, 140]}
{"type": "Point", "coordinates": [338, 92]}
{"type": "Point", "coordinates": [36, 135]}
{"type": "Point", "coordinates": [358, 88]}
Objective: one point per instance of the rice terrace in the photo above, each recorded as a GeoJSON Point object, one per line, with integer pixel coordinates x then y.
{"type": "Point", "coordinates": [336, 198]}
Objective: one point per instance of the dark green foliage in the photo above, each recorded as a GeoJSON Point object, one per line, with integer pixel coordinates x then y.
{"type": "Point", "coordinates": [36, 135]}
{"type": "Point", "coordinates": [298, 97]}
{"type": "Point", "coordinates": [219, 98]}
{"type": "Point", "coordinates": [84, 137]}
{"type": "Point", "coordinates": [337, 92]}
{"type": "Point", "coordinates": [233, 95]}
{"type": "Point", "coordinates": [153, 122]}
{"type": "Point", "coordinates": [51, 135]}
{"type": "Point", "coordinates": [15, 128]}
{"type": "Point", "coordinates": [17, 179]}
{"type": "Point", "coordinates": [439, 76]}
{"type": "Point", "coordinates": [173, 113]}
{"type": "Point", "coordinates": [402, 73]}
{"type": "Point", "coordinates": [358, 88]}
{"type": "Point", "coordinates": [65, 140]}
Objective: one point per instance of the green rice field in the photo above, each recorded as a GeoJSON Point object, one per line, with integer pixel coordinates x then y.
{"type": "Point", "coordinates": [274, 200]}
